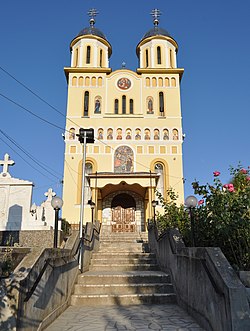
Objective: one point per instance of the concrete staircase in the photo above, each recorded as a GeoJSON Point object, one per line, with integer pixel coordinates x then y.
{"type": "Point", "coordinates": [123, 272]}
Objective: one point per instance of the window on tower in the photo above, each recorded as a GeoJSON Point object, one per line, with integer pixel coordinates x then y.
{"type": "Point", "coordinates": [116, 106]}
{"type": "Point", "coordinates": [124, 104]}
{"type": "Point", "coordinates": [146, 58]}
{"type": "Point", "coordinates": [88, 55]}
{"type": "Point", "coordinates": [161, 103]}
{"type": "Point", "coordinates": [86, 104]}
{"type": "Point", "coordinates": [131, 106]}
{"type": "Point", "coordinates": [101, 58]}
{"type": "Point", "coordinates": [158, 55]}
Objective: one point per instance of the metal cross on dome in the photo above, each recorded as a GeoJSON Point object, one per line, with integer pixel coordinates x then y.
{"type": "Point", "coordinates": [92, 14]}
{"type": "Point", "coordinates": [155, 13]}
{"type": "Point", "coordinates": [6, 163]}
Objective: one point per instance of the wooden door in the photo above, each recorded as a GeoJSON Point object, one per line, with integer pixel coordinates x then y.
{"type": "Point", "coordinates": [123, 219]}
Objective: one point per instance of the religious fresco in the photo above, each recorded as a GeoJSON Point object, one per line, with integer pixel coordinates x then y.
{"type": "Point", "coordinates": [123, 160]}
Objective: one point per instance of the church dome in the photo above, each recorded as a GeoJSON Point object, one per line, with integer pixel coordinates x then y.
{"type": "Point", "coordinates": [156, 31]}
{"type": "Point", "coordinates": [93, 31]}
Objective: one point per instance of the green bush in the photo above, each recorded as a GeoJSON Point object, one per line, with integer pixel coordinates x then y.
{"type": "Point", "coordinates": [221, 219]}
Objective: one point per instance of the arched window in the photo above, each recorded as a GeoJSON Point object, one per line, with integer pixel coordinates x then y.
{"type": "Point", "coordinates": [158, 55]}
{"type": "Point", "coordinates": [101, 58]}
{"type": "Point", "coordinates": [116, 106]}
{"type": "Point", "coordinates": [86, 104]}
{"type": "Point", "coordinates": [161, 103]}
{"type": "Point", "coordinates": [171, 63]}
{"type": "Point", "coordinates": [75, 64]}
{"type": "Point", "coordinates": [80, 81]}
{"type": "Point", "coordinates": [154, 82]}
{"type": "Point", "coordinates": [146, 58]}
{"type": "Point", "coordinates": [88, 168]}
{"type": "Point", "coordinates": [131, 106]}
{"type": "Point", "coordinates": [93, 81]}
{"type": "Point", "coordinates": [150, 105]}
{"type": "Point", "coordinates": [166, 81]}
{"type": "Point", "coordinates": [99, 81]}
{"type": "Point", "coordinates": [159, 169]}
{"type": "Point", "coordinates": [98, 105]}
{"type": "Point", "coordinates": [88, 55]}
{"type": "Point", "coordinates": [173, 82]}
{"type": "Point", "coordinates": [175, 134]}
{"type": "Point", "coordinates": [124, 104]}
{"type": "Point", "coordinates": [87, 81]}
{"type": "Point", "coordinates": [72, 134]}
{"type": "Point", "coordinates": [74, 81]}
{"type": "Point", "coordinates": [123, 160]}
{"type": "Point", "coordinates": [147, 81]}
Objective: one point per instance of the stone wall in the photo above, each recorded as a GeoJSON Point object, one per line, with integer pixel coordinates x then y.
{"type": "Point", "coordinates": [205, 283]}
{"type": "Point", "coordinates": [40, 288]}
{"type": "Point", "coordinates": [29, 238]}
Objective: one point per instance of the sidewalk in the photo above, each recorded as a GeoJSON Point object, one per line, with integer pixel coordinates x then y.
{"type": "Point", "coordinates": [169, 317]}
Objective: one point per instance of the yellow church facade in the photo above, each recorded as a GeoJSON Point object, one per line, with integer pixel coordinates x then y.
{"type": "Point", "coordinates": [136, 118]}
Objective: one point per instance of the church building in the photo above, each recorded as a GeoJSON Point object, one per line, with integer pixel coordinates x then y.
{"type": "Point", "coordinates": [137, 123]}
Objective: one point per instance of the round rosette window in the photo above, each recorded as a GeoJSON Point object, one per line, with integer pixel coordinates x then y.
{"type": "Point", "coordinates": [124, 83]}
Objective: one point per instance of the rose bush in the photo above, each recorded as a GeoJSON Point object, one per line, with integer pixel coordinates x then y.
{"type": "Point", "coordinates": [221, 219]}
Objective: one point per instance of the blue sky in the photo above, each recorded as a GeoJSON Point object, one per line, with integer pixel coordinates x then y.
{"type": "Point", "coordinates": [213, 38]}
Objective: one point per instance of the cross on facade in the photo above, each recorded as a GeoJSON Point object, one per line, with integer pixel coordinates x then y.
{"type": "Point", "coordinates": [6, 162]}
{"type": "Point", "coordinates": [50, 194]}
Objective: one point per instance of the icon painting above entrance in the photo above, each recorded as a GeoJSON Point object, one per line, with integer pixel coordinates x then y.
{"type": "Point", "coordinates": [123, 160]}
{"type": "Point", "coordinates": [123, 213]}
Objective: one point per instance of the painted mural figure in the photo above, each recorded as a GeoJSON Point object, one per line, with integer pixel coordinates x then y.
{"type": "Point", "coordinates": [119, 134]}
{"type": "Point", "coordinates": [156, 134]}
{"type": "Point", "coordinates": [97, 106]}
{"type": "Point", "coordinates": [138, 134]}
{"type": "Point", "coordinates": [165, 134]}
{"type": "Point", "coordinates": [110, 134]}
{"type": "Point", "coordinates": [123, 160]}
{"type": "Point", "coordinates": [100, 134]}
{"type": "Point", "coordinates": [150, 106]}
{"type": "Point", "coordinates": [147, 134]}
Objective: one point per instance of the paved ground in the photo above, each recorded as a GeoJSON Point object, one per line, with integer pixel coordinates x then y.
{"type": "Point", "coordinates": [169, 317]}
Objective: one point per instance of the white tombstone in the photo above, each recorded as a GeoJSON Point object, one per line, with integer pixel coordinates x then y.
{"type": "Point", "coordinates": [16, 209]}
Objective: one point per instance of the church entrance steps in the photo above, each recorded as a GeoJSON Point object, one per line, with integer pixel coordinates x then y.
{"type": "Point", "coordinates": [122, 273]}
{"type": "Point", "coordinates": [122, 300]}
{"type": "Point", "coordinates": [129, 277]}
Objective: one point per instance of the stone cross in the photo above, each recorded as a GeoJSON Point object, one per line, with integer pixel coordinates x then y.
{"type": "Point", "coordinates": [50, 194]}
{"type": "Point", "coordinates": [6, 163]}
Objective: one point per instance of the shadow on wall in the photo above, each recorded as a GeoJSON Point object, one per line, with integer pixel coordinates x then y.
{"type": "Point", "coordinates": [13, 226]}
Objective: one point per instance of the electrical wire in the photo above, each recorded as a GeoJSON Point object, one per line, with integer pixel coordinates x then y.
{"type": "Point", "coordinates": [51, 106]}
{"type": "Point", "coordinates": [26, 160]}
{"type": "Point", "coordinates": [39, 163]}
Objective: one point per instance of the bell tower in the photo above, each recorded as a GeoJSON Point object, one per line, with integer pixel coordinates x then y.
{"type": "Point", "coordinates": [136, 118]}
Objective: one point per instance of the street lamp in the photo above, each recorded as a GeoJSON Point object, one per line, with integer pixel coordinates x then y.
{"type": "Point", "coordinates": [191, 202]}
{"type": "Point", "coordinates": [56, 203]}
{"type": "Point", "coordinates": [154, 204]}
{"type": "Point", "coordinates": [92, 206]}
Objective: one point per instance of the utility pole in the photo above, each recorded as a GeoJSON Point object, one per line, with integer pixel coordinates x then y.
{"type": "Point", "coordinates": [85, 136]}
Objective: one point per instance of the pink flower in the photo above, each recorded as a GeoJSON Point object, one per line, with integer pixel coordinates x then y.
{"type": "Point", "coordinates": [216, 173]}
{"type": "Point", "coordinates": [200, 202]}
{"type": "Point", "coordinates": [230, 188]}
{"type": "Point", "coordinates": [225, 185]}
{"type": "Point", "coordinates": [243, 171]}
{"type": "Point", "coordinates": [248, 178]}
